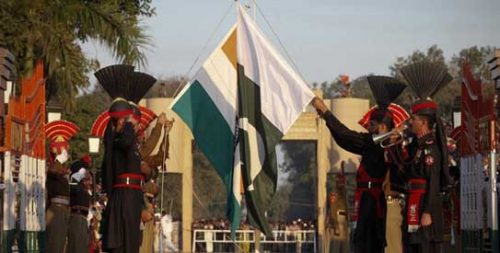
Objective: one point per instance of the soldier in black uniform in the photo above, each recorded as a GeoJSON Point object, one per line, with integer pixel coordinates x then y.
{"type": "Point", "coordinates": [121, 169]}
{"type": "Point", "coordinates": [79, 234]}
{"type": "Point", "coordinates": [57, 217]}
{"type": "Point", "coordinates": [369, 235]}
{"type": "Point", "coordinates": [426, 171]}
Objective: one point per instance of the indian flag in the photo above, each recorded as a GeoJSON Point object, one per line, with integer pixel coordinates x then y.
{"type": "Point", "coordinates": [239, 105]}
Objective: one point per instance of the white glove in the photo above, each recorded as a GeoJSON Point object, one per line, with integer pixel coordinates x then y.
{"type": "Point", "coordinates": [63, 156]}
{"type": "Point", "coordinates": [78, 176]}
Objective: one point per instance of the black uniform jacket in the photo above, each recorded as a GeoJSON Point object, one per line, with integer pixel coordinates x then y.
{"type": "Point", "coordinates": [426, 164]}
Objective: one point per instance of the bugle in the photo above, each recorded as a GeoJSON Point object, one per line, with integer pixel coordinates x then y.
{"type": "Point", "coordinates": [383, 138]}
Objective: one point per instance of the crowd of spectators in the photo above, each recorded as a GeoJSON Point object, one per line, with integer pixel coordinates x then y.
{"type": "Point", "coordinates": [214, 235]}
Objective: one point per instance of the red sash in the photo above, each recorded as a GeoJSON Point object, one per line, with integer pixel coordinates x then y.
{"type": "Point", "coordinates": [416, 192]}
{"type": "Point", "coordinates": [376, 192]}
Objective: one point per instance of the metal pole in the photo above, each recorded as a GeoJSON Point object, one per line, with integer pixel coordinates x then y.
{"type": "Point", "coordinates": [254, 10]}
{"type": "Point", "coordinates": [163, 170]}
{"type": "Point", "coordinates": [493, 177]}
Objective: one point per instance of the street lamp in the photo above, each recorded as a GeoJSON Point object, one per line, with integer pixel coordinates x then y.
{"type": "Point", "coordinates": [94, 143]}
{"type": "Point", "coordinates": [54, 109]}
{"type": "Point", "coordinates": [494, 65]}
{"type": "Point", "coordinates": [457, 112]}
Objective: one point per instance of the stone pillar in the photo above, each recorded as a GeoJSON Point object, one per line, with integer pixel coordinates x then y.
{"type": "Point", "coordinates": [349, 111]}
{"type": "Point", "coordinates": [329, 155]}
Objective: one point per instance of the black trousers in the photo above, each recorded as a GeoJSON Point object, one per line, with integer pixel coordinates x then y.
{"type": "Point", "coordinates": [427, 247]}
{"type": "Point", "coordinates": [122, 220]}
{"type": "Point", "coordinates": [78, 235]}
{"type": "Point", "coordinates": [57, 219]}
{"type": "Point", "coordinates": [369, 236]}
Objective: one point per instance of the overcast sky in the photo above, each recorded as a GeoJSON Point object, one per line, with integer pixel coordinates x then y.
{"type": "Point", "coordinates": [323, 37]}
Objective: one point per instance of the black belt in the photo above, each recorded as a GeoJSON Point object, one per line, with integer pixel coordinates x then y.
{"type": "Point", "coordinates": [398, 188]}
{"type": "Point", "coordinates": [80, 212]}
{"type": "Point", "coordinates": [369, 185]}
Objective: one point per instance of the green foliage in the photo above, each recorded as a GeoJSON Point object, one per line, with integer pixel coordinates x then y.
{"type": "Point", "coordinates": [89, 107]}
{"type": "Point", "coordinates": [209, 190]}
{"type": "Point", "coordinates": [281, 203]}
{"type": "Point", "coordinates": [433, 54]}
{"type": "Point", "coordinates": [477, 57]}
{"type": "Point", "coordinates": [300, 166]}
{"type": "Point", "coordinates": [52, 31]}
{"type": "Point", "coordinates": [172, 195]}
{"type": "Point", "coordinates": [446, 97]}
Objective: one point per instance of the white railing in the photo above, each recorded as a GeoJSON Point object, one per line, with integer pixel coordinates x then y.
{"type": "Point", "coordinates": [207, 240]}
{"type": "Point", "coordinates": [472, 189]}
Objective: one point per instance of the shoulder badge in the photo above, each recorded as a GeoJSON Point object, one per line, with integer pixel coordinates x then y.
{"type": "Point", "coordinates": [429, 160]}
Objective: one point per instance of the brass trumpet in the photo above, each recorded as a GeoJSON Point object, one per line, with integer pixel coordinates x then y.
{"type": "Point", "coordinates": [382, 138]}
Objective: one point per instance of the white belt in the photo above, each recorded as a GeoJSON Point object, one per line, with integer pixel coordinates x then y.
{"type": "Point", "coordinates": [60, 201]}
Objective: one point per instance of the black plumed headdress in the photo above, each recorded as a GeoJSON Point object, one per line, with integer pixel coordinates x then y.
{"type": "Point", "coordinates": [385, 89]}
{"type": "Point", "coordinates": [123, 84]}
{"type": "Point", "coordinates": [139, 84]}
{"type": "Point", "coordinates": [426, 79]}
{"type": "Point", "coordinates": [120, 81]}
{"type": "Point", "coordinates": [114, 79]}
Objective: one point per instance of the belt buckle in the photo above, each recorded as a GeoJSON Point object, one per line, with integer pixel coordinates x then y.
{"type": "Point", "coordinates": [128, 180]}
{"type": "Point", "coordinates": [369, 184]}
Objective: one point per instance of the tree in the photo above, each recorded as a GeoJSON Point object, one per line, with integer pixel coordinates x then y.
{"type": "Point", "coordinates": [281, 203]}
{"type": "Point", "coordinates": [209, 191]}
{"type": "Point", "coordinates": [167, 87]}
{"type": "Point", "coordinates": [476, 57]}
{"type": "Point", "coordinates": [300, 166]}
{"type": "Point", "coordinates": [359, 88]}
{"type": "Point", "coordinates": [90, 105]}
{"type": "Point", "coordinates": [433, 54]}
{"type": "Point", "coordinates": [52, 31]}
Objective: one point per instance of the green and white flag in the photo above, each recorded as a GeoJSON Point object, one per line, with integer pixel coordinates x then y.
{"type": "Point", "coordinates": [239, 105]}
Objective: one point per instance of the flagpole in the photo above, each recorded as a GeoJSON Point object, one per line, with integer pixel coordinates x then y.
{"type": "Point", "coordinates": [163, 170]}
{"type": "Point", "coordinates": [254, 10]}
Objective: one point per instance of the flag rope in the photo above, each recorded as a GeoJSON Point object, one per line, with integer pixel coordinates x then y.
{"type": "Point", "coordinates": [210, 38]}
{"type": "Point", "coordinates": [279, 41]}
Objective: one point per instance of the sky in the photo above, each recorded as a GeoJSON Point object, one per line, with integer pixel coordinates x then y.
{"type": "Point", "coordinates": [324, 38]}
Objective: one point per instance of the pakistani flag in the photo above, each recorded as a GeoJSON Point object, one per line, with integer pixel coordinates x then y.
{"type": "Point", "coordinates": [239, 105]}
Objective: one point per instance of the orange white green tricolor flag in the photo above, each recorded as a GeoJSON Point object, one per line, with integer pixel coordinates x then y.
{"type": "Point", "coordinates": [238, 106]}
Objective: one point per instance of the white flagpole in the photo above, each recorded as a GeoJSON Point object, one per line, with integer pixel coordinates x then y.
{"type": "Point", "coordinates": [254, 10]}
